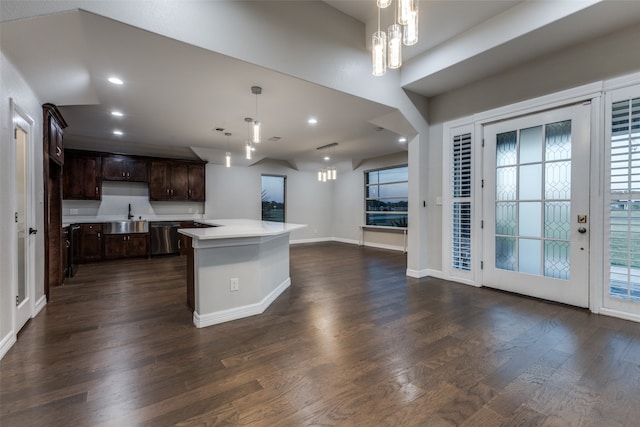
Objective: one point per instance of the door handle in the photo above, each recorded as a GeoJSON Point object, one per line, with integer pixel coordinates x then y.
{"type": "Point", "coordinates": [582, 230]}
{"type": "Point", "coordinates": [32, 230]}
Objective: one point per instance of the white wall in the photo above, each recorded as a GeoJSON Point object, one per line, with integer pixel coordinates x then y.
{"type": "Point", "coordinates": [13, 86]}
{"type": "Point", "coordinates": [116, 197]}
{"type": "Point", "coordinates": [235, 193]}
{"type": "Point", "coordinates": [606, 57]}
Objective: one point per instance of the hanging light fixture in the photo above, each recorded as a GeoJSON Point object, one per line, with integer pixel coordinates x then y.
{"type": "Point", "coordinates": [227, 155]}
{"type": "Point", "coordinates": [247, 150]}
{"type": "Point", "coordinates": [395, 45]}
{"type": "Point", "coordinates": [256, 90]}
{"type": "Point", "coordinates": [386, 48]}
{"type": "Point", "coordinates": [379, 51]}
{"type": "Point", "coordinates": [330, 173]}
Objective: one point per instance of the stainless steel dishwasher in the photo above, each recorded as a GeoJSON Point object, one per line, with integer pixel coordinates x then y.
{"type": "Point", "coordinates": [164, 237]}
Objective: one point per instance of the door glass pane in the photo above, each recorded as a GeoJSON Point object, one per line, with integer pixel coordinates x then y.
{"type": "Point", "coordinates": [557, 180]}
{"type": "Point", "coordinates": [529, 256]}
{"type": "Point", "coordinates": [506, 253]}
{"type": "Point", "coordinates": [556, 259]}
{"type": "Point", "coordinates": [531, 145]}
{"type": "Point", "coordinates": [556, 220]}
{"type": "Point", "coordinates": [506, 148]}
{"type": "Point", "coordinates": [530, 219]}
{"type": "Point", "coordinates": [531, 182]}
{"type": "Point", "coordinates": [506, 183]}
{"type": "Point", "coordinates": [558, 141]}
{"type": "Point", "coordinates": [506, 218]}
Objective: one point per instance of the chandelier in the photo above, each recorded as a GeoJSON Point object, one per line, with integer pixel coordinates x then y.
{"type": "Point", "coordinates": [329, 173]}
{"type": "Point", "coordinates": [386, 47]}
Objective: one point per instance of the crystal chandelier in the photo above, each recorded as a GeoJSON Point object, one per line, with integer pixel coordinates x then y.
{"type": "Point", "coordinates": [386, 48]}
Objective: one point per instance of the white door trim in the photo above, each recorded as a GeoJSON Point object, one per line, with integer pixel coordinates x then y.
{"type": "Point", "coordinates": [19, 118]}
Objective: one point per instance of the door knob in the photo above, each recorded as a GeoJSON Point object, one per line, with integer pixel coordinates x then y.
{"type": "Point", "coordinates": [32, 230]}
{"type": "Point", "coordinates": [582, 230]}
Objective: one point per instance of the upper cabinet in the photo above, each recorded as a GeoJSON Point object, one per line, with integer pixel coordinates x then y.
{"type": "Point", "coordinates": [196, 182]}
{"type": "Point", "coordinates": [168, 180]}
{"type": "Point", "coordinates": [53, 125]}
{"type": "Point", "coordinates": [125, 168]}
{"type": "Point", "coordinates": [81, 176]}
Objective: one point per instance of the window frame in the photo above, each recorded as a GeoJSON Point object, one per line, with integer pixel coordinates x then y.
{"type": "Point", "coordinates": [284, 196]}
{"type": "Point", "coordinates": [367, 199]}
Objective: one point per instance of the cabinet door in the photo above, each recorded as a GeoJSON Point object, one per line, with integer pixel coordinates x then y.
{"type": "Point", "coordinates": [179, 181]}
{"type": "Point", "coordinates": [159, 181]}
{"type": "Point", "coordinates": [196, 183]}
{"type": "Point", "coordinates": [90, 242]}
{"type": "Point", "coordinates": [113, 168]}
{"type": "Point", "coordinates": [137, 170]}
{"type": "Point", "coordinates": [115, 246]}
{"type": "Point", "coordinates": [138, 245]}
{"type": "Point", "coordinates": [81, 179]}
{"type": "Point", "coordinates": [72, 183]}
{"type": "Point", "coordinates": [56, 149]}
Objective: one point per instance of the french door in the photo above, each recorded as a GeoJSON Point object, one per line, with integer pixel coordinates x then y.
{"type": "Point", "coordinates": [535, 205]}
{"type": "Point", "coordinates": [622, 208]}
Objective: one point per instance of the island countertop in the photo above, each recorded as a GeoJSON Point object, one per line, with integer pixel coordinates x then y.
{"type": "Point", "coordinates": [238, 228]}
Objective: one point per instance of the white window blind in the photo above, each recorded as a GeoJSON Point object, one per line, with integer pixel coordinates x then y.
{"type": "Point", "coordinates": [624, 200]}
{"type": "Point", "coordinates": [461, 202]}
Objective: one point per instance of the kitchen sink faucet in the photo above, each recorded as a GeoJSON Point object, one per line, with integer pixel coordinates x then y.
{"type": "Point", "coordinates": [130, 215]}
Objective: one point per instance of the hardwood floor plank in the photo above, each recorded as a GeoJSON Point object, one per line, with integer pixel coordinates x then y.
{"type": "Point", "coordinates": [352, 342]}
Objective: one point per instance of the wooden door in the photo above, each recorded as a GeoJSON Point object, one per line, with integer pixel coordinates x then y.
{"type": "Point", "coordinates": [113, 168]}
{"type": "Point", "coordinates": [179, 181]}
{"type": "Point", "coordinates": [138, 245]}
{"type": "Point", "coordinates": [90, 242]}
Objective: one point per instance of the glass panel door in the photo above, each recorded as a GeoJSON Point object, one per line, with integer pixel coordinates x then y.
{"type": "Point", "coordinates": [536, 205]}
{"type": "Point", "coordinates": [622, 259]}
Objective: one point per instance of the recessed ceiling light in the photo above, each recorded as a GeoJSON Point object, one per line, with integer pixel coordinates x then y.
{"type": "Point", "coordinates": [312, 121]}
{"type": "Point", "coordinates": [115, 80]}
{"type": "Point", "coordinates": [117, 113]}
{"type": "Point", "coordinates": [327, 158]}
{"type": "Point", "coordinates": [402, 139]}
{"type": "Point", "coordinates": [118, 132]}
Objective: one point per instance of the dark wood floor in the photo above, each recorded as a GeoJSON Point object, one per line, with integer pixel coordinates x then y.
{"type": "Point", "coordinates": [353, 342]}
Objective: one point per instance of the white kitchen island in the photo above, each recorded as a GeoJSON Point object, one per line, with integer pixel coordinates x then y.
{"type": "Point", "coordinates": [236, 268]}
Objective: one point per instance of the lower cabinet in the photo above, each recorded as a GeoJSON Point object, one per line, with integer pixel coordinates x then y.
{"type": "Point", "coordinates": [126, 245]}
{"type": "Point", "coordinates": [90, 242]}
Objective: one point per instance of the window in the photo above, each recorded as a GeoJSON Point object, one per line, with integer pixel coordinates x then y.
{"type": "Point", "coordinates": [273, 198]}
{"type": "Point", "coordinates": [624, 200]}
{"type": "Point", "coordinates": [461, 202]}
{"type": "Point", "coordinates": [386, 196]}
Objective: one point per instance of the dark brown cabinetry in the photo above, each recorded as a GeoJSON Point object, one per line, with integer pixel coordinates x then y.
{"type": "Point", "coordinates": [125, 168]}
{"type": "Point", "coordinates": [177, 181]}
{"type": "Point", "coordinates": [90, 242]}
{"type": "Point", "coordinates": [196, 191]}
{"type": "Point", "coordinates": [126, 245]}
{"type": "Point", "coordinates": [54, 123]}
{"type": "Point", "coordinates": [81, 176]}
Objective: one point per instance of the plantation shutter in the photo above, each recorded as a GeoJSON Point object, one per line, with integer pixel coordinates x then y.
{"type": "Point", "coordinates": [461, 202]}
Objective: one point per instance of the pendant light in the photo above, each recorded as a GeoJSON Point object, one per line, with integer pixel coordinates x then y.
{"type": "Point", "coordinates": [248, 150]}
{"type": "Point", "coordinates": [256, 90]}
{"type": "Point", "coordinates": [410, 30]}
{"type": "Point", "coordinates": [379, 51]}
{"type": "Point", "coordinates": [395, 44]}
{"type": "Point", "coordinates": [382, 4]}
{"type": "Point", "coordinates": [227, 155]}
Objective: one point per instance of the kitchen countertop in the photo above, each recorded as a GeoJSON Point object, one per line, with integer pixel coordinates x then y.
{"type": "Point", "coordinates": [238, 228]}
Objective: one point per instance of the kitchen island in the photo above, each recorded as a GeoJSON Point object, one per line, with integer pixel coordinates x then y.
{"type": "Point", "coordinates": [236, 268]}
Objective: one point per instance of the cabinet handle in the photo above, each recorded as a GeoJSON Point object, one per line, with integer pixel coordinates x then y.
{"type": "Point", "coordinates": [99, 236]}
{"type": "Point", "coordinates": [123, 174]}
{"type": "Point", "coordinates": [128, 174]}
{"type": "Point", "coordinates": [179, 244]}
{"type": "Point", "coordinates": [167, 191]}
{"type": "Point", "coordinates": [58, 151]}
{"type": "Point", "coordinates": [172, 191]}
{"type": "Point", "coordinates": [189, 192]}
{"type": "Point", "coordinates": [97, 189]}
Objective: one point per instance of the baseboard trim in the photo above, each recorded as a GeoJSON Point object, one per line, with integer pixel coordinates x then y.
{"type": "Point", "coordinates": [210, 319]}
{"type": "Point", "coordinates": [341, 240]}
{"type": "Point", "coordinates": [315, 240]}
{"type": "Point", "coordinates": [619, 314]}
{"type": "Point", "coordinates": [40, 304]}
{"type": "Point", "coordinates": [7, 342]}
{"type": "Point", "coordinates": [424, 273]}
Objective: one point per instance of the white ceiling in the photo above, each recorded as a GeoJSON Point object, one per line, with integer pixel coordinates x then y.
{"type": "Point", "coordinates": [175, 95]}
